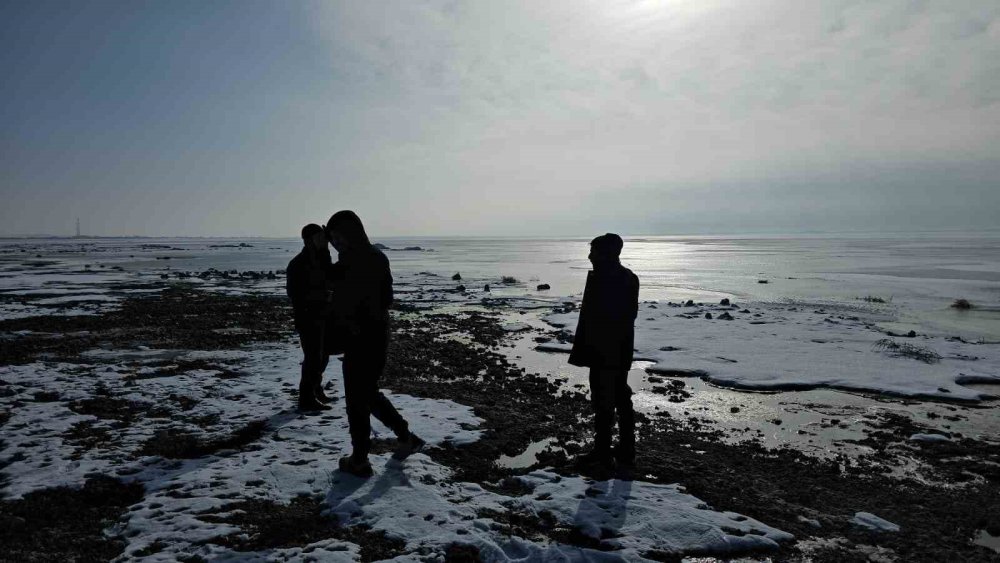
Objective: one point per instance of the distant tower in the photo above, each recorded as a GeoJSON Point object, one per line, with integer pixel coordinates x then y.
{"type": "Point", "coordinates": [77, 227]}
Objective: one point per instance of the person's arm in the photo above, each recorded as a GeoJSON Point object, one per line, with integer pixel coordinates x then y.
{"type": "Point", "coordinates": [297, 286]}
{"type": "Point", "coordinates": [386, 289]}
{"type": "Point", "coordinates": [634, 298]}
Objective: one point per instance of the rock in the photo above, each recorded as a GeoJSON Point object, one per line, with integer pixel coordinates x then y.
{"type": "Point", "coordinates": [872, 522]}
{"type": "Point", "coordinates": [689, 303]}
{"type": "Point", "coordinates": [456, 277]}
{"type": "Point", "coordinates": [543, 287]}
{"type": "Point", "coordinates": [486, 288]}
{"type": "Point", "coordinates": [734, 410]}
{"type": "Point", "coordinates": [460, 288]}
{"type": "Point", "coordinates": [809, 521]}
{"type": "Point", "coordinates": [725, 317]}
{"type": "Point", "coordinates": [912, 334]}
{"type": "Point", "coordinates": [724, 302]}
{"type": "Point", "coordinates": [708, 316]}
{"type": "Point", "coordinates": [762, 281]}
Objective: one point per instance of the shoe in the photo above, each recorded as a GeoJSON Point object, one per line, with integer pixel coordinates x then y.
{"type": "Point", "coordinates": [411, 445]}
{"type": "Point", "coordinates": [357, 468]}
{"type": "Point", "coordinates": [312, 406]}
{"type": "Point", "coordinates": [595, 457]}
{"type": "Point", "coordinates": [321, 395]}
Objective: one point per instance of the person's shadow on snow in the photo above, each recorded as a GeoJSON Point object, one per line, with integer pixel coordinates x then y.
{"type": "Point", "coordinates": [344, 485]}
{"type": "Point", "coordinates": [602, 512]}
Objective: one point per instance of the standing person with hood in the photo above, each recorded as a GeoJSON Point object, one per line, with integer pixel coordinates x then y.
{"type": "Point", "coordinates": [605, 335]}
{"type": "Point", "coordinates": [361, 312]}
{"type": "Point", "coordinates": [308, 280]}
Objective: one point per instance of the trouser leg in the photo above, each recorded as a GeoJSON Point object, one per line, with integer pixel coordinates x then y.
{"type": "Point", "coordinates": [362, 371]}
{"type": "Point", "coordinates": [313, 361]}
{"type": "Point", "coordinates": [626, 417]}
{"type": "Point", "coordinates": [602, 397]}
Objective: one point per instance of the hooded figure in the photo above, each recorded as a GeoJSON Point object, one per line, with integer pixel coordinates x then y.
{"type": "Point", "coordinates": [361, 303]}
{"type": "Point", "coordinates": [308, 283]}
{"type": "Point", "coordinates": [605, 335]}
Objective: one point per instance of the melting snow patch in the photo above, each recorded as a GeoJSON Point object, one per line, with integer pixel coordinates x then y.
{"type": "Point", "coordinates": [797, 348]}
{"type": "Point", "coordinates": [929, 438]}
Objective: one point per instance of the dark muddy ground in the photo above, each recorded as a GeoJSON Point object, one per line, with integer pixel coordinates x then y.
{"type": "Point", "coordinates": [460, 356]}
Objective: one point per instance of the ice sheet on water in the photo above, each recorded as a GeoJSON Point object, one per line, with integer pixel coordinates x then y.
{"type": "Point", "coordinates": [787, 346]}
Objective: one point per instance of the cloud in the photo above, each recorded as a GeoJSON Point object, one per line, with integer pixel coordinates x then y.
{"type": "Point", "coordinates": [463, 117]}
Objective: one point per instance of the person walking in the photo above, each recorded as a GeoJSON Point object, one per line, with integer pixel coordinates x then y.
{"type": "Point", "coordinates": [361, 303]}
{"type": "Point", "coordinates": [605, 335]}
{"type": "Point", "coordinates": [308, 279]}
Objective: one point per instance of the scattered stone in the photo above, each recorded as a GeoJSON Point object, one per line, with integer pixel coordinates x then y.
{"type": "Point", "coordinates": [872, 522]}
{"type": "Point", "coordinates": [725, 317]}
{"type": "Point", "coordinates": [689, 303]}
{"type": "Point", "coordinates": [456, 277]}
{"type": "Point", "coordinates": [460, 288]}
{"type": "Point", "coordinates": [762, 281]}
{"type": "Point", "coordinates": [543, 287]}
{"type": "Point", "coordinates": [486, 288]}
{"type": "Point", "coordinates": [708, 316]}
{"type": "Point", "coordinates": [724, 302]}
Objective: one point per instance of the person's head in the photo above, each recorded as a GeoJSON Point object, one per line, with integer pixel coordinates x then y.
{"type": "Point", "coordinates": [345, 231]}
{"type": "Point", "coordinates": [605, 250]}
{"type": "Point", "coordinates": [313, 237]}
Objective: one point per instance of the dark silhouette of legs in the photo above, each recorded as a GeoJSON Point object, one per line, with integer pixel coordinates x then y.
{"type": "Point", "coordinates": [314, 362]}
{"type": "Point", "coordinates": [610, 394]}
{"type": "Point", "coordinates": [363, 365]}
{"type": "Point", "coordinates": [625, 453]}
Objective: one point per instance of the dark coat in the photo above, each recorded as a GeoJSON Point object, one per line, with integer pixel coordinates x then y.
{"type": "Point", "coordinates": [363, 291]}
{"type": "Point", "coordinates": [309, 278]}
{"type": "Point", "coordinates": [605, 332]}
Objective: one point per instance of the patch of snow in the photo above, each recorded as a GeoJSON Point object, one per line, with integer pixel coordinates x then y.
{"type": "Point", "coordinates": [796, 346]}
{"type": "Point", "coordinates": [929, 438]}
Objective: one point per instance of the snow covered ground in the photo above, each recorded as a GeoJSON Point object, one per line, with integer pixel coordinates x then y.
{"type": "Point", "coordinates": [799, 346]}
{"type": "Point", "coordinates": [70, 421]}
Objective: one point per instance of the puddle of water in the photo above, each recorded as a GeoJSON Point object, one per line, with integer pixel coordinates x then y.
{"type": "Point", "coordinates": [527, 458]}
{"type": "Point", "coordinates": [986, 539]}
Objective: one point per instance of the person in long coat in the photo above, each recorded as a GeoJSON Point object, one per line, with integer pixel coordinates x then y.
{"type": "Point", "coordinates": [604, 341]}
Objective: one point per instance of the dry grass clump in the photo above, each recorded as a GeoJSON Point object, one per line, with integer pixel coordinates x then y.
{"type": "Point", "coordinates": [508, 280]}
{"type": "Point", "coordinates": [961, 304]}
{"type": "Point", "coordinates": [906, 350]}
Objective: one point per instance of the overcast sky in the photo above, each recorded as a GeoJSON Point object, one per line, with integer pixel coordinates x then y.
{"type": "Point", "coordinates": [499, 118]}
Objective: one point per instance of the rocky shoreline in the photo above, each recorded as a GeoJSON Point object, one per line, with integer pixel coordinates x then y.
{"type": "Point", "coordinates": [462, 355]}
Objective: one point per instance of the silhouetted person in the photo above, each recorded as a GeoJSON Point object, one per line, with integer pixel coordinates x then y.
{"type": "Point", "coordinates": [361, 309]}
{"type": "Point", "coordinates": [308, 283]}
{"type": "Point", "coordinates": [605, 335]}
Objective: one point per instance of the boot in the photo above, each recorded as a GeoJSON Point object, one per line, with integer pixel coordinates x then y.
{"type": "Point", "coordinates": [597, 457]}
{"type": "Point", "coordinates": [409, 446]}
{"type": "Point", "coordinates": [321, 395]}
{"type": "Point", "coordinates": [356, 466]}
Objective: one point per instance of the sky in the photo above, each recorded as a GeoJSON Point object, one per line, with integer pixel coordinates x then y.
{"type": "Point", "coordinates": [499, 118]}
